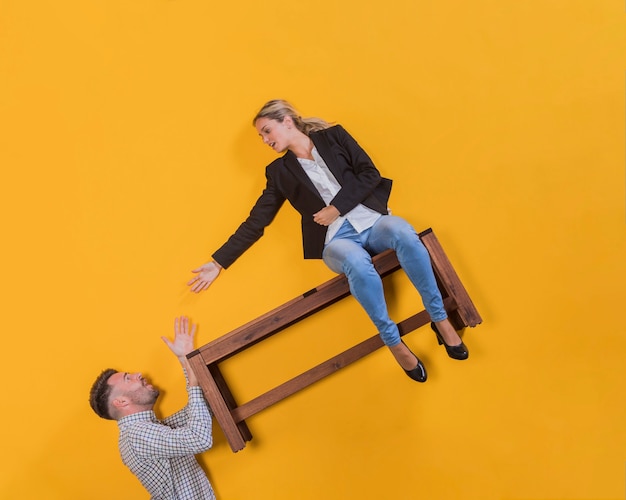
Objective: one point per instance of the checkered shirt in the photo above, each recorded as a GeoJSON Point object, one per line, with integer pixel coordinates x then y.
{"type": "Point", "coordinates": [161, 454]}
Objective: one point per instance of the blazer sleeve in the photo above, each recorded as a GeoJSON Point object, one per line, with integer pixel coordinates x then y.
{"type": "Point", "coordinates": [359, 176]}
{"type": "Point", "coordinates": [261, 215]}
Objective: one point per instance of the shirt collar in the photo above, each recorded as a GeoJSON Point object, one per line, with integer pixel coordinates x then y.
{"type": "Point", "coordinates": [140, 416]}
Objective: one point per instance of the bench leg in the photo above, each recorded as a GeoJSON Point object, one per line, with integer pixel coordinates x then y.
{"type": "Point", "coordinates": [217, 402]}
{"type": "Point", "coordinates": [228, 398]}
{"type": "Point", "coordinates": [466, 313]}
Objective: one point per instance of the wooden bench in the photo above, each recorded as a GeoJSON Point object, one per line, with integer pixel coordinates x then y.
{"type": "Point", "coordinates": [205, 361]}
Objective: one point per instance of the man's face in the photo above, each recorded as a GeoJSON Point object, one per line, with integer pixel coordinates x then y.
{"type": "Point", "coordinates": [134, 387]}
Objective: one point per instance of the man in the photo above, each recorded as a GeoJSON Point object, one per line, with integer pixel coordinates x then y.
{"type": "Point", "coordinates": [159, 453]}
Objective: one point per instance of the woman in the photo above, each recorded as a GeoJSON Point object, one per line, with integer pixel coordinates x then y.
{"type": "Point", "coordinates": [330, 180]}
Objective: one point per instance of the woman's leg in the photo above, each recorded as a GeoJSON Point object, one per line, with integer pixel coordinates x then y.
{"type": "Point", "coordinates": [345, 254]}
{"type": "Point", "coordinates": [396, 233]}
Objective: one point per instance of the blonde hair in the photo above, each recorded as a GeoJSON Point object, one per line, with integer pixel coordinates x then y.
{"type": "Point", "coordinates": [279, 109]}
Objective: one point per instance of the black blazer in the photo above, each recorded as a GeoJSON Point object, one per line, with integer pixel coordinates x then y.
{"type": "Point", "coordinates": [286, 180]}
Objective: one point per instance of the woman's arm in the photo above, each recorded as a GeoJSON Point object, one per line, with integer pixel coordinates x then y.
{"type": "Point", "coordinates": [359, 175]}
{"type": "Point", "coordinates": [261, 215]}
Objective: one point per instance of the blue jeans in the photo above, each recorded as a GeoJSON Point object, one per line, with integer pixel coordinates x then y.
{"type": "Point", "coordinates": [351, 253]}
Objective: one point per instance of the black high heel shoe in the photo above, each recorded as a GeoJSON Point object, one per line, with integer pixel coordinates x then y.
{"type": "Point", "coordinates": [454, 351]}
{"type": "Point", "coordinates": [419, 372]}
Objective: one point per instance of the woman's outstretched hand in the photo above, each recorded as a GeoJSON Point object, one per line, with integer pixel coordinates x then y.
{"type": "Point", "coordinates": [205, 275]}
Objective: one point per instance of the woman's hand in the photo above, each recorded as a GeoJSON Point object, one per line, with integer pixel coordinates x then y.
{"type": "Point", "coordinates": [326, 216]}
{"type": "Point", "coordinates": [206, 275]}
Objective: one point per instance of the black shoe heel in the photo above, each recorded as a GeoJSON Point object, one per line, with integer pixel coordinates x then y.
{"type": "Point", "coordinates": [454, 351]}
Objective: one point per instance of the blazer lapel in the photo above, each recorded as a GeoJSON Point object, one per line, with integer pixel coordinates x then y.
{"type": "Point", "coordinates": [293, 165]}
{"type": "Point", "coordinates": [322, 145]}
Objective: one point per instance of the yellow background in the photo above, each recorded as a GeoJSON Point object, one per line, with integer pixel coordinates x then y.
{"type": "Point", "coordinates": [127, 157]}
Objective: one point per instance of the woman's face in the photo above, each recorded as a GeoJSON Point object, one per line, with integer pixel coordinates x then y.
{"type": "Point", "coordinates": [277, 135]}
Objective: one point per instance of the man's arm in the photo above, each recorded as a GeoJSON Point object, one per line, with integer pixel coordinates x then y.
{"type": "Point", "coordinates": [153, 440]}
{"type": "Point", "coordinates": [183, 343]}
{"type": "Point", "coordinates": [189, 431]}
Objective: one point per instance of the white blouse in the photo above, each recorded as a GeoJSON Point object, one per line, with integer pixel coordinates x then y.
{"type": "Point", "coordinates": [361, 217]}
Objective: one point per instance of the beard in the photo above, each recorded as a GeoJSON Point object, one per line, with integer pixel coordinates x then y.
{"type": "Point", "coordinates": [143, 396]}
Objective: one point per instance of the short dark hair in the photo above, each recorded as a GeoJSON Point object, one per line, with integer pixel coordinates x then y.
{"type": "Point", "coordinates": [100, 392]}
